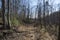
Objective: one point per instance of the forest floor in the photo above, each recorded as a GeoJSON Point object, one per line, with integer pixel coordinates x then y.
{"type": "Point", "coordinates": [30, 33]}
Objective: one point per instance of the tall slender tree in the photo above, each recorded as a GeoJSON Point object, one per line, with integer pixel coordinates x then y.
{"type": "Point", "coordinates": [28, 9]}
{"type": "Point", "coordinates": [47, 12]}
{"type": "Point", "coordinates": [44, 13]}
{"type": "Point", "coordinates": [3, 12]}
{"type": "Point", "coordinates": [8, 15]}
{"type": "Point", "coordinates": [59, 24]}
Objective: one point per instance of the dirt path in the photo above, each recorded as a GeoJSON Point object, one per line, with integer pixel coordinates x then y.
{"type": "Point", "coordinates": [30, 33]}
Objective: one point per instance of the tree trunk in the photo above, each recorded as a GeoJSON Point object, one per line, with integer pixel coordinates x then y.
{"type": "Point", "coordinates": [59, 28]}
{"type": "Point", "coordinates": [8, 18]}
{"type": "Point", "coordinates": [3, 12]}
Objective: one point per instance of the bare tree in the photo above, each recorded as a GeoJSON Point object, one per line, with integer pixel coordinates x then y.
{"type": "Point", "coordinates": [8, 16]}
{"type": "Point", "coordinates": [28, 9]}
{"type": "Point", "coordinates": [3, 12]}
{"type": "Point", "coordinates": [47, 12]}
{"type": "Point", "coordinates": [59, 23]}
{"type": "Point", "coordinates": [44, 13]}
{"type": "Point", "coordinates": [39, 12]}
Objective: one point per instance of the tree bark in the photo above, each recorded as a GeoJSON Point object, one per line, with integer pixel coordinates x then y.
{"type": "Point", "coordinates": [59, 28]}
{"type": "Point", "coordinates": [3, 12]}
{"type": "Point", "coordinates": [8, 18]}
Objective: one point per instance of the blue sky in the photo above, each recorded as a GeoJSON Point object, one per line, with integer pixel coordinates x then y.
{"type": "Point", "coordinates": [34, 2]}
{"type": "Point", "coordinates": [55, 2]}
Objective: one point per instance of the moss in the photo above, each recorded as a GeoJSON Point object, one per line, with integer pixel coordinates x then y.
{"type": "Point", "coordinates": [15, 22]}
